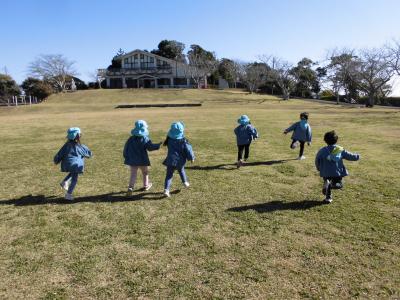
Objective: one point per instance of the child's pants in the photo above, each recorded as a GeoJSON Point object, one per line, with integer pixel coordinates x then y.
{"type": "Point", "coordinates": [301, 146]}
{"type": "Point", "coordinates": [246, 149]}
{"type": "Point", "coordinates": [335, 184]}
{"type": "Point", "coordinates": [74, 180]}
{"type": "Point", "coordinates": [170, 174]}
{"type": "Point", "coordinates": [145, 174]}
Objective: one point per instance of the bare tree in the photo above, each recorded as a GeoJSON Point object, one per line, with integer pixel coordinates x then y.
{"type": "Point", "coordinates": [253, 75]}
{"type": "Point", "coordinates": [201, 64]}
{"type": "Point", "coordinates": [281, 73]}
{"type": "Point", "coordinates": [394, 55]}
{"type": "Point", "coordinates": [53, 68]}
{"type": "Point", "coordinates": [374, 70]}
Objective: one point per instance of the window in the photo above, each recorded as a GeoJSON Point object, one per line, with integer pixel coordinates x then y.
{"type": "Point", "coordinates": [152, 59]}
{"type": "Point", "coordinates": [125, 61]}
{"type": "Point", "coordinates": [141, 56]}
{"type": "Point", "coordinates": [136, 56]}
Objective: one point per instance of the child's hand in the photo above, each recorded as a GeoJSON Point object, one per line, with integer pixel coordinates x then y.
{"type": "Point", "coordinates": [285, 132]}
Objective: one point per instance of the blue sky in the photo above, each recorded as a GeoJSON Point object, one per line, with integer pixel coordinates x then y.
{"type": "Point", "coordinates": [90, 32]}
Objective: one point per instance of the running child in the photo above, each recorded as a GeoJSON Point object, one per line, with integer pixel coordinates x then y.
{"type": "Point", "coordinates": [301, 134]}
{"type": "Point", "coordinates": [72, 157]}
{"type": "Point", "coordinates": [136, 156]}
{"type": "Point", "coordinates": [179, 151]}
{"type": "Point", "coordinates": [245, 134]}
{"type": "Point", "coordinates": [329, 163]}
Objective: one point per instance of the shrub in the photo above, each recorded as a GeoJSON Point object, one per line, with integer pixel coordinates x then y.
{"type": "Point", "coordinates": [37, 88]}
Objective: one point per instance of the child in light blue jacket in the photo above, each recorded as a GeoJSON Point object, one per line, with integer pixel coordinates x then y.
{"type": "Point", "coordinates": [245, 134]}
{"type": "Point", "coordinates": [72, 157]}
{"type": "Point", "coordinates": [136, 156]}
{"type": "Point", "coordinates": [179, 151]}
{"type": "Point", "coordinates": [301, 134]}
{"type": "Point", "coordinates": [329, 163]}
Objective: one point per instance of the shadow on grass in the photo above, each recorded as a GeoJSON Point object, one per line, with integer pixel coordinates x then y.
{"type": "Point", "coordinates": [278, 205]}
{"type": "Point", "coordinates": [110, 197]}
{"type": "Point", "coordinates": [233, 166]}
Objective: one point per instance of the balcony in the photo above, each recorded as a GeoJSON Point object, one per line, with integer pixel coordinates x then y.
{"type": "Point", "coordinates": [138, 71]}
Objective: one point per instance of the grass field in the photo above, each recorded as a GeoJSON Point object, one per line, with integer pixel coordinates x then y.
{"type": "Point", "coordinates": [257, 232]}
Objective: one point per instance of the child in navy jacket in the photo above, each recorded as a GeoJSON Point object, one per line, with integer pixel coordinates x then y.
{"type": "Point", "coordinates": [329, 163]}
{"type": "Point", "coordinates": [179, 151]}
{"type": "Point", "coordinates": [72, 156]}
{"type": "Point", "coordinates": [301, 134]}
{"type": "Point", "coordinates": [136, 156]}
{"type": "Point", "coordinates": [245, 134]}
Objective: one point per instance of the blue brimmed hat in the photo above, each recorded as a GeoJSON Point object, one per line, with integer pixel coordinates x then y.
{"type": "Point", "coordinates": [73, 132]}
{"type": "Point", "coordinates": [243, 120]}
{"type": "Point", "coordinates": [176, 131]}
{"type": "Point", "coordinates": [141, 128]}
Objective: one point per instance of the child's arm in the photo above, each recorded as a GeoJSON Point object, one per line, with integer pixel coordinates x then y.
{"type": "Point", "coordinates": [189, 152]}
{"type": "Point", "coordinates": [318, 160]}
{"type": "Point", "coordinates": [309, 135]}
{"type": "Point", "coordinates": [253, 133]}
{"type": "Point", "coordinates": [291, 128]}
{"type": "Point", "coordinates": [152, 147]}
{"type": "Point", "coordinates": [60, 155]}
{"type": "Point", "coordinates": [85, 151]}
{"type": "Point", "coordinates": [350, 156]}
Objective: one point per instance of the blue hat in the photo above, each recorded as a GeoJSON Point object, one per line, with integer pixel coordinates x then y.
{"type": "Point", "coordinates": [243, 120]}
{"type": "Point", "coordinates": [141, 128]}
{"type": "Point", "coordinates": [73, 132]}
{"type": "Point", "coordinates": [176, 131]}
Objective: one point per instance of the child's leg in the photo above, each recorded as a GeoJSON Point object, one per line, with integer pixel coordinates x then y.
{"type": "Point", "coordinates": [168, 177]}
{"type": "Point", "coordinates": [74, 181]}
{"type": "Point", "coordinates": [336, 183]}
{"type": "Point", "coordinates": [145, 173]}
{"type": "Point", "coordinates": [246, 151]}
{"type": "Point", "coordinates": [301, 148]}
{"type": "Point", "coordinates": [132, 180]}
{"type": "Point", "coordinates": [67, 177]}
{"type": "Point", "coordinates": [240, 152]}
{"type": "Point", "coordinates": [182, 174]}
{"type": "Point", "coordinates": [327, 189]}
{"type": "Point", "coordinates": [293, 144]}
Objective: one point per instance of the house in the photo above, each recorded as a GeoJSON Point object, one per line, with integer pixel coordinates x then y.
{"type": "Point", "coordinates": [142, 69]}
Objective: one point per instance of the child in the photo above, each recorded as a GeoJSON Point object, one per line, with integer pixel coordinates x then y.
{"type": "Point", "coordinates": [136, 156]}
{"type": "Point", "coordinates": [329, 163]}
{"type": "Point", "coordinates": [301, 133]}
{"type": "Point", "coordinates": [245, 134]}
{"type": "Point", "coordinates": [71, 156]}
{"type": "Point", "coordinates": [179, 150]}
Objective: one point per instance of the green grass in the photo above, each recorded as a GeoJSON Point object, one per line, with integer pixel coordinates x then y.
{"type": "Point", "coordinates": [257, 232]}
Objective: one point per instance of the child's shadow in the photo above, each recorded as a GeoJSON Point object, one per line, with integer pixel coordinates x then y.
{"type": "Point", "coordinates": [234, 166]}
{"type": "Point", "coordinates": [278, 205]}
{"type": "Point", "coordinates": [110, 197]}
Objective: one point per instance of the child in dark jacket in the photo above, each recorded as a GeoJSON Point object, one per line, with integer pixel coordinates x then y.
{"type": "Point", "coordinates": [136, 156]}
{"type": "Point", "coordinates": [72, 156]}
{"type": "Point", "coordinates": [179, 151]}
{"type": "Point", "coordinates": [245, 134]}
{"type": "Point", "coordinates": [301, 134]}
{"type": "Point", "coordinates": [329, 163]}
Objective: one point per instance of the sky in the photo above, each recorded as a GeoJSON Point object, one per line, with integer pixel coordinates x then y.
{"type": "Point", "coordinates": [90, 32]}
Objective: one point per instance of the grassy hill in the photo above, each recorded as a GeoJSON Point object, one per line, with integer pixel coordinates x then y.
{"type": "Point", "coordinates": [257, 232]}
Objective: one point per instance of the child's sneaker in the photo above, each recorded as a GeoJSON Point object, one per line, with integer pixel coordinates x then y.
{"type": "Point", "coordinates": [69, 197]}
{"type": "Point", "coordinates": [166, 193]}
{"type": "Point", "coordinates": [239, 164]}
{"type": "Point", "coordinates": [328, 200]}
{"type": "Point", "coordinates": [301, 157]}
{"type": "Point", "coordinates": [65, 185]}
{"type": "Point", "coordinates": [129, 192]}
{"type": "Point", "coordinates": [186, 184]}
{"type": "Point", "coordinates": [325, 186]}
{"type": "Point", "coordinates": [294, 145]}
{"type": "Point", "coordinates": [147, 187]}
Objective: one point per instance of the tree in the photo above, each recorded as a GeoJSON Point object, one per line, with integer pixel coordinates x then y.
{"type": "Point", "coordinates": [253, 75]}
{"type": "Point", "coordinates": [306, 78]}
{"type": "Point", "coordinates": [280, 72]}
{"type": "Point", "coordinates": [37, 88]}
{"type": "Point", "coordinates": [374, 71]}
{"type": "Point", "coordinates": [229, 70]}
{"type": "Point", "coordinates": [394, 55]}
{"type": "Point", "coordinates": [171, 49]}
{"type": "Point", "coordinates": [8, 87]}
{"type": "Point", "coordinates": [54, 69]}
{"type": "Point", "coordinates": [202, 63]}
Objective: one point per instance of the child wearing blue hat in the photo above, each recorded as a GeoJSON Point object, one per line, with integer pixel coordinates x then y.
{"type": "Point", "coordinates": [301, 134]}
{"type": "Point", "coordinates": [72, 156]}
{"type": "Point", "coordinates": [136, 156]}
{"type": "Point", "coordinates": [329, 163]}
{"type": "Point", "coordinates": [179, 151]}
{"type": "Point", "coordinates": [245, 134]}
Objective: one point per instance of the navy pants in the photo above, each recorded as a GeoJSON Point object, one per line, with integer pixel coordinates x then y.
{"type": "Point", "coordinates": [301, 146]}
{"type": "Point", "coordinates": [74, 180]}
{"type": "Point", "coordinates": [170, 174]}
{"type": "Point", "coordinates": [335, 184]}
{"type": "Point", "coordinates": [246, 149]}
